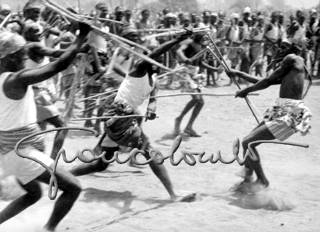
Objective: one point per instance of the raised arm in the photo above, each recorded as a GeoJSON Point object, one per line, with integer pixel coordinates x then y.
{"type": "Point", "coordinates": [45, 51]}
{"type": "Point", "coordinates": [168, 45]}
{"type": "Point", "coordinates": [209, 67]}
{"type": "Point", "coordinates": [21, 80]}
{"type": "Point", "coordinates": [182, 48]}
{"type": "Point", "coordinates": [142, 64]}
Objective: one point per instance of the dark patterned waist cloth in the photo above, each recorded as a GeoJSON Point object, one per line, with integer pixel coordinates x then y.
{"type": "Point", "coordinates": [124, 131]}
{"type": "Point", "coordinates": [9, 139]}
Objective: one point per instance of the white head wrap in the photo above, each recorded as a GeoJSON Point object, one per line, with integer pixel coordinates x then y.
{"type": "Point", "coordinates": [235, 15]}
{"type": "Point", "coordinates": [10, 43]}
{"type": "Point", "coordinates": [170, 15]}
{"type": "Point", "coordinates": [247, 10]}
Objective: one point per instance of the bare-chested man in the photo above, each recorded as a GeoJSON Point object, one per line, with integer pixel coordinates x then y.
{"type": "Point", "coordinates": [38, 56]}
{"type": "Point", "coordinates": [187, 50]}
{"type": "Point", "coordinates": [287, 117]}
{"type": "Point", "coordinates": [18, 120]}
{"type": "Point", "coordinates": [271, 35]}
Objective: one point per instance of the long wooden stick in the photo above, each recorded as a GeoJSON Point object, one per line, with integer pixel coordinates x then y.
{"type": "Point", "coordinates": [217, 58]}
{"type": "Point", "coordinates": [109, 117]}
{"type": "Point", "coordinates": [99, 106]}
{"type": "Point", "coordinates": [103, 19]}
{"type": "Point", "coordinates": [113, 61]}
{"type": "Point", "coordinates": [175, 33]}
{"type": "Point", "coordinates": [121, 41]}
{"type": "Point", "coordinates": [97, 95]}
{"type": "Point", "coordinates": [202, 94]}
{"type": "Point", "coordinates": [199, 54]}
{"type": "Point", "coordinates": [249, 103]}
{"type": "Point", "coordinates": [179, 69]}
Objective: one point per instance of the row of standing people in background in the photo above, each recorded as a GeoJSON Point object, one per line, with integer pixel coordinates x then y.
{"type": "Point", "coordinates": [134, 80]}
{"type": "Point", "coordinates": [244, 40]}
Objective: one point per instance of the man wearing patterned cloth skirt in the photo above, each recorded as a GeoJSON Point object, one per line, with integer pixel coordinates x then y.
{"type": "Point", "coordinates": [287, 117]}
{"type": "Point", "coordinates": [18, 119]}
{"type": "Point", "coordinates": [139, 84]}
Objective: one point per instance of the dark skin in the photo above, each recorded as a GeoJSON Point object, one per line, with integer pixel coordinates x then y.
{"type": "Point", "coordinates": [186, 51]}
{"type": "Point", "coordinates": [274, 19]}
{"type": "Point", "coordinates": [37, 52]}
{"type": "Point", "coordinates": [115, 28]}
{"type": "Point", "coordinates": [254, 33]}
{"type": "Point", "coordinates": [34, 14]}
{"type": "Point", "coordinates": [245, 59]}
{"type": "Point", "coordinates": [15, 87]}
{"type": "Point", "coordinates": [122, 57]}
{"type": "Point", "coordinates": [142, 68]}
{"type": "Point", "coordinates": [290, 76]}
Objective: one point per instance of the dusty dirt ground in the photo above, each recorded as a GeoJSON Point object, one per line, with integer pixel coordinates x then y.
{"type": "Point", "coordinates": [123, 198]}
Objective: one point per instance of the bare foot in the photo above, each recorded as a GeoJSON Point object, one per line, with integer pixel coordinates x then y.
{"type": "Point", "coordinates": [256, 187]}
{"type": "Point", "coordinates": [191, 132]}
{"type": "Point", "coordinates": [97, 129]}
{"type": "Point", "coordinates": [251, 188]}
{"type": "Point", "coordinates": [46, 230]}
{"type": "Point", "coordinates": [188, 198]}
{"type": "Point", "coordinates": [246, 174]}
{"type": "Point", "coordinates": [88, 124]}
{"type": "Point", "coordinates": [134, 165]}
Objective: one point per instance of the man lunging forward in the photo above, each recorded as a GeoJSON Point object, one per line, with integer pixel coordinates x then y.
{"type": "Point", "coordinates": [287, 117]}
{"type": "Point", "coordinates": [18, 119]}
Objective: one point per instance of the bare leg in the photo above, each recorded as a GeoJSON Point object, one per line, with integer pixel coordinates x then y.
{"type": "Point", "coordinates": [67, 92]}
{"type": "Point", "coordinates": [233, 66]}
{"type": "Point", "coordinates": [161, 172]}
{"type": "Point", "coordinates": [67, 183]}
{"type": "Point", "coordinates": [95, 166]}
{"type": "Point", "coordinates": [269, 60]}
{"type": "Point", "coordinates": [71, 190]}
{"type": "Point", "coordinates": [260, 133]}
{"type": "Point", "coordinates": [186, 109]}
{"type": "Point", "coordinates": [89, 104]}
{"type": "Point", "coordinates": [97, 123]}
{"type": "Point", "coordinates": [33, 194]}
{"type": "Point", "coordinates": [259, 69]}
{"type": "Point", "coordinates": [60, 136]}
{"type": "Point", "coordinates": [42, 125]}
{"type": "Point", "coordinates": [196, 110]}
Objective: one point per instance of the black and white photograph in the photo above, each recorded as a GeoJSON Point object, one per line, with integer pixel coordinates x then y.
{"type": "Point", "coordinates": [159, 115]}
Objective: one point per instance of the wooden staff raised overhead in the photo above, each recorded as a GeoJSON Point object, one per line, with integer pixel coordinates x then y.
{"type": "Point", "coordinates": [176, 33]}
{"type": "Point", "coordinates": [110, 117]}
{"type": "Point", "coordinates": [120, 41]}
{"type": "Point", "coordinates": [221, 60]}
{"type": "Point", "coordinates": [152, 30]}
{"type": "Point", "coordinates": [97, 95]}
{"type": "Point", "coordinates": [103, 19]}
{"type": "Point", "coordinates": [5, 20]}
{"type": "Point", "coordinates": [202, 94]}
{"type": "Point", "coordinates": [113, 61]}
{"type": "Point", "coordinates": [48, 27]}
